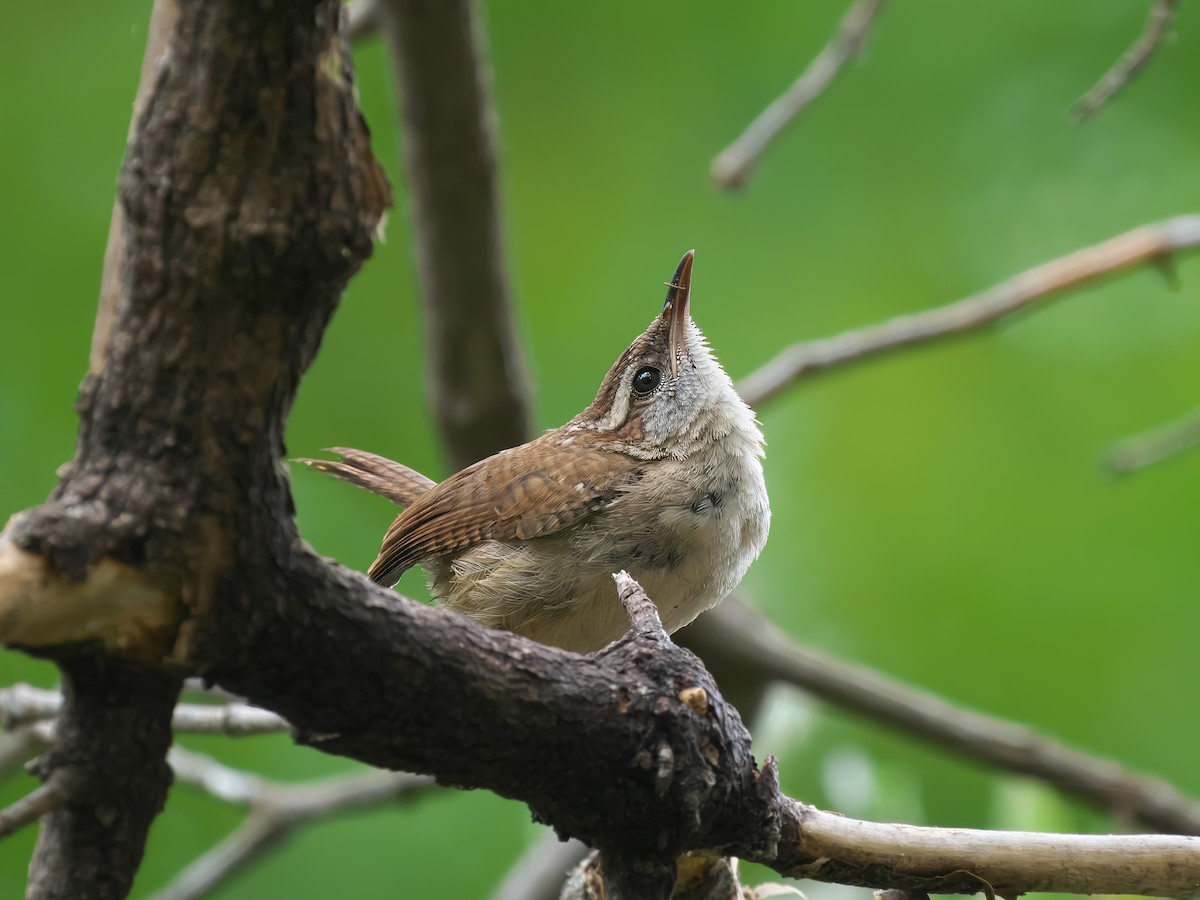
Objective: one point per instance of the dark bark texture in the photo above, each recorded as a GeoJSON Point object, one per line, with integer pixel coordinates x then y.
{"type": "Point", "coordinates": [110, 753]}
{"type": "Point", "coordinates": [250, 196]}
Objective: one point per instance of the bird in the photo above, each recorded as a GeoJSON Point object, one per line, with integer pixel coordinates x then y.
{"type": "Point", "coordinates": [661, 475]}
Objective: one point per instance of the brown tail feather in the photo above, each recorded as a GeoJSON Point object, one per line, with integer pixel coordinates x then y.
{"type": "Point", "coordinates": [377, 474]}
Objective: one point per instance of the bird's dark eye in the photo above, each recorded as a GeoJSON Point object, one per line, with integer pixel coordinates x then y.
{"type": "Point", "coordinates": [646, 380]}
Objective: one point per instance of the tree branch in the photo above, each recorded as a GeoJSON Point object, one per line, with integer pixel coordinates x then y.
{"type": "Point", "coordinates": [107, 773]}
{"type": "Point", "coordinates": [1162, 14]}
{"type": "Point", "coordinates": [1155, 446]}
{"type": "Point", "coordinates": [736, 163]}
{"type": "Point", "coordinates": [251, 197]}
{"type": "Point", "coordinates": [541, 870]}
{"type": "Point", "coordinates": [478, 387]}
{"type": "Point", "coordinates": [1146, 245]}
{"type": "Point", "coordinates": [21, 704]}
{"type": "Point", "coordinates": [276, 810]}
{"type": "Point", "coordinates": [758, 650]}
{"type": "Point", "coordinates": [961, 860]}
{"type": "Point", "coordinates": [60, 787]}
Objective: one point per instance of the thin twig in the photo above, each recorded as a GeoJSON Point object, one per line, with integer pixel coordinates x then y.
{"type": "Point", "coordinates": [1154, 446]}
{"type": "Point", "coordinates": [276, 809]}
{"type": "Point", "coordinates": [541, 870]}
{"type": "Point", "coordinates": [476, 373]}
{"type": "Point", "coordinates": [233, 719]}
{"type": "Point", "coordinates": [58, 788]}
{"type": "Point", "coordinates": [235, 851]}
{"type": "Point", "coordinates": [756, 646]}
{"type": "Point", "coordinates": [1148, 244]}
{"type": "Point", "coordinates": [1162, 14]}
{"type": "Point", "coordinates": [22, 704]}
{"type": "Point", "coordinates": [736, 163]}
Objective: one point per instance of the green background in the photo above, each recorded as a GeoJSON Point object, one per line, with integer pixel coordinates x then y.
{"type": "Point", "coordinates": [942, 515]}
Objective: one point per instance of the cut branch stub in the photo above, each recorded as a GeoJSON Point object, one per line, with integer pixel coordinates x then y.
{"type": "Point", "coordinates": [250, 196]}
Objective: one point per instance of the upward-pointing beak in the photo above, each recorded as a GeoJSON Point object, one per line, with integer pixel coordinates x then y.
{"type": "Point", "coordinates": [676, 309]}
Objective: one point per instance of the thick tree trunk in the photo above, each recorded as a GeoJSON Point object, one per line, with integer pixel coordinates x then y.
{"type": "Point", "coordinates": [109, 751]}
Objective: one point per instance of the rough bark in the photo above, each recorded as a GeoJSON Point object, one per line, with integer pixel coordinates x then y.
{"type": "Point", "coordinates": [249, 196]}
{"type": "Point", "coordinates": [109, 755]}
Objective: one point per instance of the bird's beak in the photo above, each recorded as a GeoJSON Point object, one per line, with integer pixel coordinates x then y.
{"type": "Point", "coordinates": [676, 309]}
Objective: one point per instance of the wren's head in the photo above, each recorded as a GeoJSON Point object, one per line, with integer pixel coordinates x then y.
{"type": "Point", "coordinates": [666, 395]}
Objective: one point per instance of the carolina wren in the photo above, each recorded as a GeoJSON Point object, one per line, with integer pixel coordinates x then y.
{"type": "Point", "coordinates": [661, 476]}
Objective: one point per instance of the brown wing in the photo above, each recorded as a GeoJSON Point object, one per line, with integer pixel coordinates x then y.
{"type": "Point", "coordinates": [377, 474]}
{"type": "Point", "coordinates": [526, 492]}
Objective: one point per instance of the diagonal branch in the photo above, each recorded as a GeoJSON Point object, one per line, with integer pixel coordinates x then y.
{"type": "Point", "coordinates": [276, 810]}
{"type": "Point", "coordinates": [60, 787]}
{"type": "Point", "coordinates": [1153, 447]}
{"type": "Point", "coordinates": [476, 378]}
{"type": "Point", "coordinates": [540, 871]}
{"type": "Point", "coordinates": [1149, 244]}
{"type": "Point", "coordinates": [757, 649]}
{"type": "Point", "coordinates": [736, 163]}
{"type": "Point", "coordinates": [1137, 57]}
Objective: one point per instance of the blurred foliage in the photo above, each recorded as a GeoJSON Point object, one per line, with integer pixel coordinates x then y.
{"type": "Point", "coordinates": [940, 515]}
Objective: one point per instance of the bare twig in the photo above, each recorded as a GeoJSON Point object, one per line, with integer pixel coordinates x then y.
{"type": "Point", "coordinates": [41, 800]}
{"type": "Point", "coordinates": [643, 614]}
{"type": "Point", "coordinates": [233, 719]}
{"type": "Point", "coordinates": [478, 388]}
{"type": "Point", "coordinates": [736, 163]}
{"type": "Point", "coordinates": [240, 847]}
{"type": "Point", "coordinates": [755, 646]}
{"type": "Point", "coordinates": [276, 809]}
{"type": "Point", "coordinates": [541, 870]}
{"type": "Point", "coordinates": [1162, 14]}
{"type": "Point", "coordinates": [21, 704]}
{"type": "Point", "coordinates": [362, 19]}
{"type": "Point", "coordinates": [1152, 447]}
{"type": "Point", "coordinates": [1148, 244]}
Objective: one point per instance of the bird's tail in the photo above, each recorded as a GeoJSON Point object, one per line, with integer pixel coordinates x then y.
{"type": "Point", "coordinates": [377, 474]}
